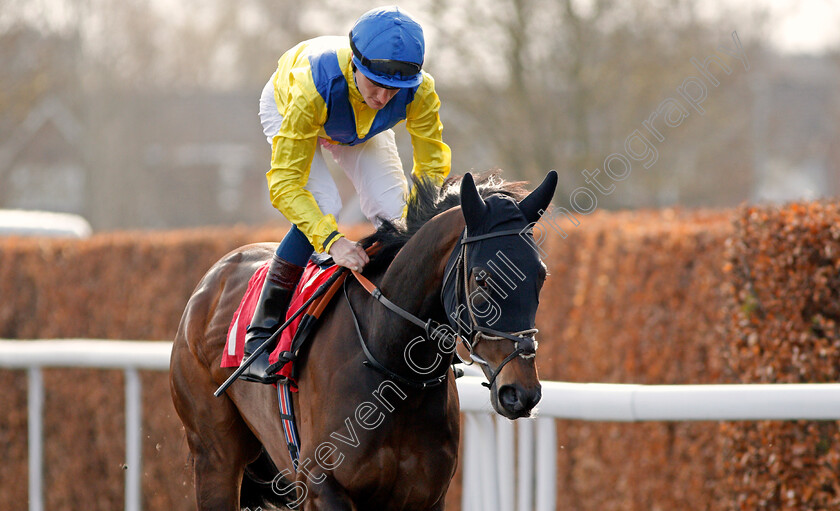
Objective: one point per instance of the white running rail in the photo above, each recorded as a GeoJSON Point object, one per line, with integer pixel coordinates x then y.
{"type": "Point", "coordinates": [491, 441]}
{"type": "Point", "coordinates": [489, 438]}
{"type": "Point", "coordinates": [126, 355]}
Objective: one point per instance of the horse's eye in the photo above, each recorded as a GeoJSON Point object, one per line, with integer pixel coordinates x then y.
{"type": "Point", "coordinates": [482, 277]}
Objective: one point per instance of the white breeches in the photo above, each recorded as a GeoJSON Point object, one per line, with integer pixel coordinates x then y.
{"type": "Point", "coordinates": [374, 168]}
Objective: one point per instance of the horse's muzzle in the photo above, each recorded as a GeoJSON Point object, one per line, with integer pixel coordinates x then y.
{"type": "Point", "coordinates": [517, 401]}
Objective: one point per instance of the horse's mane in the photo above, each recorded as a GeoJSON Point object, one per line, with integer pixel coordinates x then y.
{"type": "Point", "coordinates": [427, 201]}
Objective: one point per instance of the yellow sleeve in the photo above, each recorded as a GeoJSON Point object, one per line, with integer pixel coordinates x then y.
{"type": "Point", "coordinates": [432, 157]}
{"type": "Point", "coordinates": [292, 150]}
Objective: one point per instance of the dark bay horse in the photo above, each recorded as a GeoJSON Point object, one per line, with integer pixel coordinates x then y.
{"type": "Point", "coordinates": [386, 438]}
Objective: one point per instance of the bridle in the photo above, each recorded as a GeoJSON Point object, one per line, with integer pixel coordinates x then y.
{"type": "Point", "coordinates": [524, 343]}
{"type": "Point", "coordinates": [525, 346]}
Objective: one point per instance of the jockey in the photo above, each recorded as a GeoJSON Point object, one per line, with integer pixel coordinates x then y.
{"type": "Point", "coordinates": [342, 96]}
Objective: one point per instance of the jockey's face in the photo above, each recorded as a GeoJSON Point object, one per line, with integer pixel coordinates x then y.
{"type": "Point", "coordinates": [375, 95]}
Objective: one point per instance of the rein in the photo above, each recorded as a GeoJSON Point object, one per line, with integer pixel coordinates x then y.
{"type": "Point", "coordinates": [371, 361]}
{"type": "Point", "coordinates": [525, 346]}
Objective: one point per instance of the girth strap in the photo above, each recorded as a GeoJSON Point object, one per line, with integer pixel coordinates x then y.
{"type": "Point", "coordinates": [287, 417]}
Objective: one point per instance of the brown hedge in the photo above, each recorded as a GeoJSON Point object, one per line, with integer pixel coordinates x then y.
{"type": "Point", "coordinates": [638, 297]}
{"type": "Point", "coordinates": [784, 317]}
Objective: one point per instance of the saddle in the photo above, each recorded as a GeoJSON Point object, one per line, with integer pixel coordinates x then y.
{"type": "Point", "coordinates": [318, 271]}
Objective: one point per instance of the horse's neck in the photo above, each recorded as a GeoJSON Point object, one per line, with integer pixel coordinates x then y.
{"type": "Point", "coordinates": [413, 281]}
{"type": "Point", "coordinates": [414, 278]}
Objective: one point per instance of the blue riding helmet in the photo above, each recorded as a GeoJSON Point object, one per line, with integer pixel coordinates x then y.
{"type": "Point", "coordinates": [388, 47]}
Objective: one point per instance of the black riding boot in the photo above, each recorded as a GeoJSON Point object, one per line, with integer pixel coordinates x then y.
{"type": "Point", "coordinates": [274, 299]}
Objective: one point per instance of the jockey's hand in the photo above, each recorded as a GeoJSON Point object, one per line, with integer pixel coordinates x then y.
{"type": "Point", "coordinates": [349, 254]}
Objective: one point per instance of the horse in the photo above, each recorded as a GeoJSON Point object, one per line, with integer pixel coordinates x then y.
{"type": "Point", "coordinates": [377, 431]}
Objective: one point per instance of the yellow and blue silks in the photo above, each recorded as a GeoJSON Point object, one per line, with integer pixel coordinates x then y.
{"type": "Point", "coordinates": [317, 96]}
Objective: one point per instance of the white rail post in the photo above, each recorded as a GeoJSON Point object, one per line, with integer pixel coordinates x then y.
{"type": "Point", "coordinates": [505, 465]}
{"type": "Point", "coordinates": [489, 486]}
{"type": "Point", "coordinates": [546, 464]}
{"type": "Point", "coordinates": [525, 465]}
{"type": "Point", "coordinates": [471, 485]}
{"type": "Point", "coordinates": [133, 441]}
{"type": "Point", "coordinates": [35, 426]}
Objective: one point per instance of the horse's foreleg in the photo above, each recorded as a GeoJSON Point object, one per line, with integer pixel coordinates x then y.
{"type": "Point", "coordinates": [220, 442]}
{"type": "Point", "coordinates": [216, 484]}
{"type": "Point", "coordinates": [326, 495]}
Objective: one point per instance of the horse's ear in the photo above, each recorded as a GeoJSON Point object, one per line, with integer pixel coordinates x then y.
{"type": "Point", "coordinates": [534, 205]}
{"type": "Point", "coordinates": [472, 204]}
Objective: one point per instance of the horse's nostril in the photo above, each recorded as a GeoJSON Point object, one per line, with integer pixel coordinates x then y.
{"type": "Point", "coordinates": [508, 396]}
{"type": "Point", "coordinates": [516, 399]}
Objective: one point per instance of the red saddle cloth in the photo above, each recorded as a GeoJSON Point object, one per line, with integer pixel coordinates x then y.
{"type": "Point", "coordinates": [312, 278]}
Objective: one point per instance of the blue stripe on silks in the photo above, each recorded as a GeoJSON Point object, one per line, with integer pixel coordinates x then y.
{"type": "Point", "coordinates": [341, 122]}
